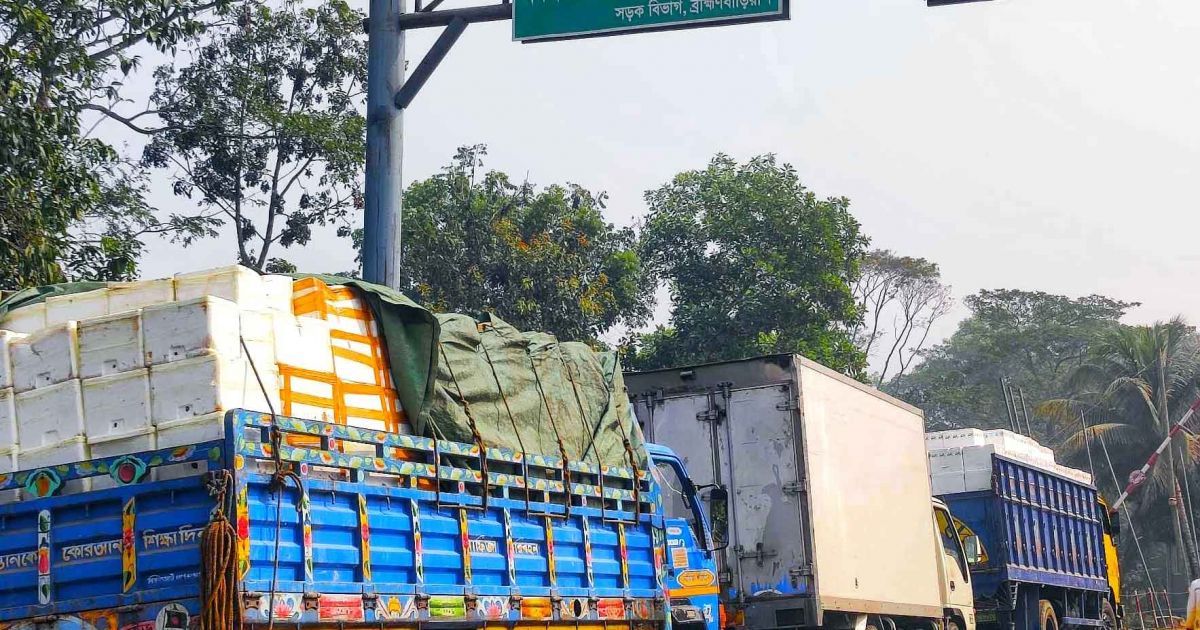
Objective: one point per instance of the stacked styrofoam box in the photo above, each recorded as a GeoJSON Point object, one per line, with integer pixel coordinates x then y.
{"type": "Point", "coordinates": [199, 368]}
{"type": "Point", "coordinates": [360, 375]}
{"type": "Point", "coordinates": [25, 319]}
{"type": "Point", "coordinates": [961, 460]}
{"type": "Point", "coordinates": [240, 285]}
{"type": "Point", "coordinates": [946, 470]}
{"type": "Point", "coordinates": [956, 438]}
{"type": "Point", "coordinates": [137, 366]}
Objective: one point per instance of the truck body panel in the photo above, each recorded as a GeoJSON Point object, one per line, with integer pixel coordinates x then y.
{"type": "Point", "coordinates": [1036, 527]}
{"type": "Point", "coordinates": [828, 481]}
{"type": "Point", "coordinates": [365, 536]}
{"type": "Point", "coordinates": [1036, 536]}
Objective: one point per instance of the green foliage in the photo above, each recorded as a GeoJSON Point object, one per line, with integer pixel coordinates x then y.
{"type": "Point", "coordinates": [262, 129]}
{"type": "Point", "coordinates": [1034, 339]}
{"type": "Point", "coordinates": [68, 207]}
{"type": "Point", "coordinates": [755, 264]}
{"type": "Point", "coordinates": [1136, 382]}
{"type": "Point", "coordinates": [541, 259]}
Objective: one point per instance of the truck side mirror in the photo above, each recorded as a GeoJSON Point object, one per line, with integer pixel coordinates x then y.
{"type": "Point", "coordinates": [1114, 523]}
{"type": "Point", "coordinates": [718, 515]}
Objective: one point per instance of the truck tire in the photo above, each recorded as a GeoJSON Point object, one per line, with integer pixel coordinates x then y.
{"type": "Point", "coordinates": [1108, 616]}
{"type": "Point", "coordinates": [952, 624]}
{"type": "Point", "coordinates": [1046, 614]}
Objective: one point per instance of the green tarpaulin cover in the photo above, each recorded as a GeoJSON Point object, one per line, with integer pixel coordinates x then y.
{"type": "Point", "coordinates": [525, 391]}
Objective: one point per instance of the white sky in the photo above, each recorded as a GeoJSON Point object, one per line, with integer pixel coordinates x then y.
{"type": "Point", "coordinates": [1036, 144]}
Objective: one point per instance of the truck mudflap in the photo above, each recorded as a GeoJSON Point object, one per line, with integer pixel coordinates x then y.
{"type": "Point", "coordinates": [364, 527]}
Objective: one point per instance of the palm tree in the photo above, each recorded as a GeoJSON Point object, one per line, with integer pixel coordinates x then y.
{"type": "Point", "coordinates": [1137, 381]}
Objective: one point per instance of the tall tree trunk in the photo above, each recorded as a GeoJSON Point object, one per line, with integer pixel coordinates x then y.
{"type": "Point", "coordinates": [1179, 525]}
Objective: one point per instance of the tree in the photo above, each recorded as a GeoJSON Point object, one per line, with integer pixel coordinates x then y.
{"type": "Point", "coordinates": [901, 297]}
{"type": "Point", "coordinates": [262, 129]}
{"type": "Point", "coordinates": [541, 259]}
{"type": "Point", "coordinates": [755, 264]}
{"type": "Point", "coordinates": [1137, 381]}
{"type": "Point", "coordinates": [68, 207]}
{"type": "Point", "coordinates": [1034, 339]}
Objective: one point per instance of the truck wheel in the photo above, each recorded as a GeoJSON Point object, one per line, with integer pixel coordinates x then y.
{"type": "Point", "coordinates": [1049, 619]}
{"type": "Point", "coordinates": [1108, 616]}
{"type": "Point", "coordinates": [952, 624]}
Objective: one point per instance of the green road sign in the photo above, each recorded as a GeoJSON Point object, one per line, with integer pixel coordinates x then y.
{"type": "Point", "coordinates": [558, 19]}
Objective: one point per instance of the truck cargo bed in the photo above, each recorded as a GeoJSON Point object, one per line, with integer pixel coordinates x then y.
{"type": "Point", "coordinates": [367, 536]}
{"type": "Point", "coordinates": [1033, 526]}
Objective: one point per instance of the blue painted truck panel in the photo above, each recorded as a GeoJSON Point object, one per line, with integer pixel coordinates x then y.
{"type": "Point", "coordinates": [1040, 539]}
{"type": "Point", "coordinates": [366, 535]}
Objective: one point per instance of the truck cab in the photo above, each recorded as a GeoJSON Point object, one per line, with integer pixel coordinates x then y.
{"type": "Point", "coordinates": [957, 594]}
{"type": "Point", "coordinates": [691, 570]}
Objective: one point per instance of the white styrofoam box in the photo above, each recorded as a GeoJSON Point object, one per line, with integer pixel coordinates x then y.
{"type": "Point", "coordinates": [26, 319]}
{"type": "Point", "coordinates": [303, 342]}
{"type": "Point", "coordinates": [7, 337]}
{"type": "Point", "coordinates": [257, 328]}
{"type": "Point", "coordinates": [946, 460]}
{"type": "Point", "coordinates": [277, 292]}
{"type": "Point", "coordinates": [209, 384]}
{"type": "Point", "coordinates": [312, 390]}
{"type": "Point", "coordinates": [947, 483]}
{"type": "Point", "coordinates": [111, 345]}
{"type": "Point", "coordinates": [977, 480]}
{"type": "Point", "coordinates": [131, 296]}
{"type": "Point", "coordinates": [978, 457]}
{"type": "Point", "coordinates": [8, 419]}
{"type": "Point", "coordinates": [182, 330]}
{"type": "Point", "coordinates": [359, 361]}
{"type": "Point", "coordinates": [61, 309]}
{"type": "Point", "coordinates": [366, 406]}
{"type": "Point", "coordinates": [49, 415]}
{"type": "Point", "coordinates": [9, 462]}
{"type": "Point", "coordinates": [117, 404]}
{"type": "Point", "coordinates": [1074, 473]}
{"type": "Point", "coordinates": [121, 444]}
{"type": "Point", "coordinates": [190, 328]}
{"type": "Point", "coordinates": [46, 358]}
{"type": "Point", "coordinates": [67, 451]}
{"type": "Point", "coordinates": [188, 431]}
{"type": "Point", "coordinates": [235, 283]}
{"type": "Point", "coordinates": [955, 438]}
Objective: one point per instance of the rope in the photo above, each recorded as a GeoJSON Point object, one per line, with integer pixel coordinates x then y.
{"type": "Point", "coordinates": [1128, 517]}
{"type": "Point", "coordinates": [220, 608]}
{"type": "Point", "coordinates": [562, 448]}
{"type": "Point", "coordinates": [475, 434]}
{"type": "Point", "coordinates": [278, 482]}
{"type": "Point", "coordinates": [1191, 519]}
{"type": "Point", "coordinates": [511, 420]}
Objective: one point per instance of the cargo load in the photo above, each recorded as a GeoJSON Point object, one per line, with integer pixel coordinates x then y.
{"type": "Point", "coordinates": [93, 369]}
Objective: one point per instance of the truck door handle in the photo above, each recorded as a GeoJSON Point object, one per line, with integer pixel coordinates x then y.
{"type": "Point", "coordinates": [952, 585]}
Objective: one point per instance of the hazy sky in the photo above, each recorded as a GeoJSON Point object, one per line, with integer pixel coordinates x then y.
{"type": "Point", "coordinates": [1034, 144]}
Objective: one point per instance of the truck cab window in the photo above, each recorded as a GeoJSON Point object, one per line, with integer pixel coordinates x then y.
{"type": "Point", "coordinates": [951, 542]}
{"type": "Point", "coordinates": [676, 502]}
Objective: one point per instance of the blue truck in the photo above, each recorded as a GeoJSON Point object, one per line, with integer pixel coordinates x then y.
{"type": "Point", "coordinates": [298, 523]}
{"type": "Point", "coordinates": [1040, 548]}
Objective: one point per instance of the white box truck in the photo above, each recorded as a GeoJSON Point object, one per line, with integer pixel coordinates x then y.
{"type": "Point", "coordinates": [832, 523]}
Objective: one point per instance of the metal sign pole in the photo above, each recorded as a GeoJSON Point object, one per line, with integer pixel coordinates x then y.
{"type": "Point", "coordinates": [385, 142]}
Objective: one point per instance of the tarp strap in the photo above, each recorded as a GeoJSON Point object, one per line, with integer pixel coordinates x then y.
{"type": "Point", "coordinates": [516, 432]}
{"type": "Point", "coordinates": [562, 448]}
{"type": "Point", "coordinates": [462, 400]}
{"type": "Point", "coordinates": [585, 424]}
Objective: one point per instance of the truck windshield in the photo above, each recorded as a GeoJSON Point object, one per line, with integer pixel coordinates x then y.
{"type": "Point", "coordinates": [676, 502]}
